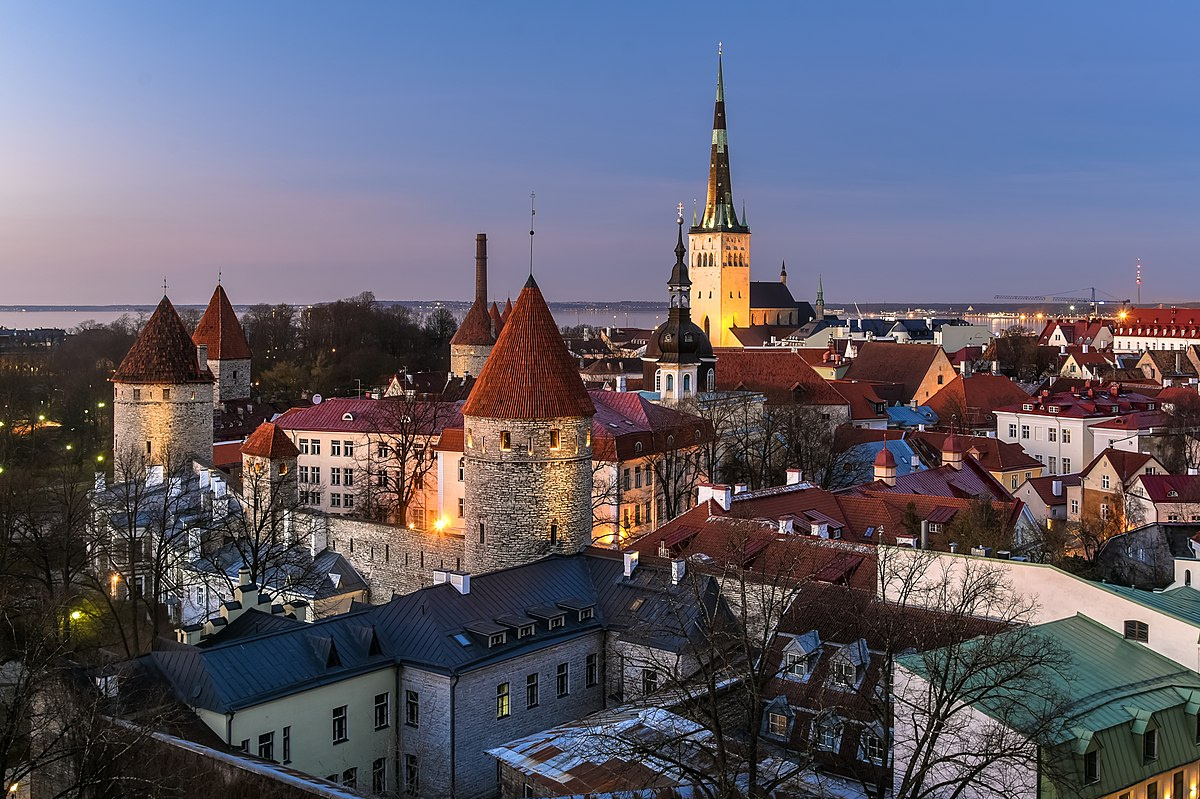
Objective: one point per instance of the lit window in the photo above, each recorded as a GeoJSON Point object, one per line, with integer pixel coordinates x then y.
{"type": "Point", "coordinates": [555, 439]}
{"type": "Point", "coordinates": [505, 440]}
{"type": "Point", "coordinates": [777, 724]}
{"type": "Point", "coordinates": [503, 705]}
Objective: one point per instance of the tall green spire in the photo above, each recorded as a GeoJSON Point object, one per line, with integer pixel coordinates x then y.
{"type": "Point", "coordinates": [820, 290]}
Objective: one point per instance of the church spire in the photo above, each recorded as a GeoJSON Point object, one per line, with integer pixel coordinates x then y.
{"type": "Point", "coordinates": [719, 211]}
{"type": "Point", "coordinates": [820, 309]}
{"type": "Point", "coordinates": [680, 285]}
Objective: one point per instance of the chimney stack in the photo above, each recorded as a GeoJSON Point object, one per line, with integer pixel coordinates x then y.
{"type": "Point", "coordinates": [481, 268]}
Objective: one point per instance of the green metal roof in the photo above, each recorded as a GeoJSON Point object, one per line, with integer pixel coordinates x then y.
{"type": "Point", "coordinates": [1108, 682]}
{"type": "Point", "coordinates": [1182, 602]}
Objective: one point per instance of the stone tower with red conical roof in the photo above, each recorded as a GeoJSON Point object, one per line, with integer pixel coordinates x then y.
{"type": "Point", "coordinates": [269, 480]}
{"type": "Point", "coordinates": [221, 335]}
{"type": "Point", "coordinates": [473, 341]}
{"type": "Point", "coordinates": [528, 441]}
{"type": "Point", "coordinates": [163, 396]}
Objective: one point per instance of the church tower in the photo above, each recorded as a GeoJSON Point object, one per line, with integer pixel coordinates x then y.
{"type": "Point", "coordinates": [221, 334]}
{"type": "Point", "coordinates": [720, 244]}
{"type": "Point", "coordinates": [163, 396]}
{"type": "Point", "coordinates": [472, 342]}
{"type": "Point", "coordinates": [528, 446]}
{"type": "Point", "coordinates": [679, 361]}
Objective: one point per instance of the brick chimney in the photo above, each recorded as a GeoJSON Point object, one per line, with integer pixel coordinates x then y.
{"type": "Point", "coordinates": [481, 268]}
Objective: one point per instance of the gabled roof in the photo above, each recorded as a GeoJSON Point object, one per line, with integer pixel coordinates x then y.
{"type": "Point", "coordinates": [992, 454]}
{"type": "Point", "coordinates": [1044, 487]}
{"type": "Point", "coordinates": [357, 415]}
{"type": "Point", "coordinates": [762, 335]}
{"type": "Point", "coordinates": [976, 396]}
{"type": "Point", "coordinates": [529, 374]}
{"type": "Point", "coordinates": [163, 352]}
{"type": "Point", "coordinates": [269, 441]}
{"type": "Point", "coordinates": [864, 401]}
{"type": "Point", "coordinates": [476, 328]}
{"type": "Point", "coordinates": [1124, 463]}
{"type": "Point", "coordinates": [626, 419]}
{"type": "Point", "coordinates": [770, 294]}
{"type": "Point", "coordinates": [779, 373]}
{"type": "Point", "coordinates": [886, 361]}
{"type": "Point", "coordinates": [220, 330]}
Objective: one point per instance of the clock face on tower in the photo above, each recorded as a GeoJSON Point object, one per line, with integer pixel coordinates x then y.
{"type": "Point", "coordinates": [667, 338]}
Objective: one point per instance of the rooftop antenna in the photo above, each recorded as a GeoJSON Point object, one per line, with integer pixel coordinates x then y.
{"type": "Point", "coordinates": [1139, 281]}
{"type": "Point", "coordinates": [532, 214]}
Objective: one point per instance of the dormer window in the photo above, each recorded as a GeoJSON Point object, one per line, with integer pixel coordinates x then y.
{"type": "Point", "coordinates": [1091, 766]}
{"type": "Point", "coordinates": [1137, 630]}
{"type": "Point", "coordinates": [496, 639]}
{"type": "Point", "coordinates": [347, 417]}
{"type": "Point", "coordinates": [1150, 745]}
{"type": "Point", "coordinates": [1028, 406]}
{"type": "Point", "coordinates": [525, 631]}
{"type": "Point", "coordinates": [556, 622]}
{"type": "Point", "coordinates": [505, 440]}
{"type": "Point", "coordinates": [843, 674]}
{"type": "Point", "coordinates": [1054, 409]}
{"type": "Point", "coordinates": [586, 613]}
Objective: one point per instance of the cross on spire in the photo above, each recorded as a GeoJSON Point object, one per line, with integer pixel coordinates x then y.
{"type": "Point", "coordinates": [164, 285]}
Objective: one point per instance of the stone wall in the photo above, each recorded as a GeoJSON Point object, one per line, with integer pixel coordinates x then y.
{"type": "Point", "coordinates": [468, 359]}
{"type": "Point", "coordinates": [178, 423]}
{"type": "Point", "coordinates": [233, 380]}
{"type": "Point", "coordinates": [528, 494]}
{"type": "Point", "coordinates": [393, 559]}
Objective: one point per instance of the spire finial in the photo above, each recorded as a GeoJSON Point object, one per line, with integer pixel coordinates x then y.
{"type": "Point", "coordinates": [720, 47]}
{"type": "Point", "coordinates": [218, 277]}
{"type": "Point", "coordinates": [680, 209]}
{"type": "Point", "coordinates": [164, 285]}
{"type": "Point", "coordinates": [532, 214]}
{"type": "Point", "coordinates": [695, 219]}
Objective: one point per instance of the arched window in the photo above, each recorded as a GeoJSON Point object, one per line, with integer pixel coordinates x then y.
{"type": "Point", "coordinates": [658, 381]}
{"type": "Point", "coordinates": [1187, 577]}
{"type": "Point", "coordinates": [687, 384]}
{"type": "Point", "coordinates": [712, 380]}
{"type": "Point", "coordinates": [670, 383]}
{"type": "Point", "coordinates": [462, 468]}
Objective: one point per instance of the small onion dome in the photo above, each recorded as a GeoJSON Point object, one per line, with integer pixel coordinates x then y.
{"type": "Point", "coordinates": [885, 459]}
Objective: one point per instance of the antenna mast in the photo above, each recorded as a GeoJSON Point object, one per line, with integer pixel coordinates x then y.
{"type": "Point", "coordinates": [532, 214]}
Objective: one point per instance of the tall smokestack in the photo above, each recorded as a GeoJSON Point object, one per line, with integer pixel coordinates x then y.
{"type": "Point", "coordinates": [481, 268]}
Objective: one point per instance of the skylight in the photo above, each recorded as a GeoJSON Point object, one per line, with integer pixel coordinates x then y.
{"type": "Point", "coordinates": [462, 639]}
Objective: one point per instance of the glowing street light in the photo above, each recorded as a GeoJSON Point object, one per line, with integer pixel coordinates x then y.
{"type": "Point", "coordinates": [76, 615]}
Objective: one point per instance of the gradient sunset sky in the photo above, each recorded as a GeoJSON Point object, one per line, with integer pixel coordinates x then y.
{"type": "Point", "coordinates": [908, 151]}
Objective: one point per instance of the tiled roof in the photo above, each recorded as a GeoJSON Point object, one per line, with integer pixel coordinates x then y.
{"type": "Point", "coordinates": [496, 318]}
{"type": "Point", "coordinates": [1083, 403]}
{"type": "Point", "coordinates": [476, 328]}
{"type": "Point", "coordinates": [885, 361]}
{"type": "Point", "coordinates": [354, 415]}
{"type": "Point", "coordinates": [507, 310]}
{"type": "Point", "coordinates": [1169, 488]}
{"type": "Point", "coordinates": [1044, 487]}
{"type": "Point", "coordinates": [1124, 463]}
{"type": "Point", "coordinates": [163, 352]}
{"type": "Point", "coordinates": [625, 419]}
{"type": "Point", "coordinates": [977, 396]}
{"type": "Point", "coordinates": [864, 401]}
{"type": "Point", "coordinates": [770, 294]}
{"type": "Point", "coordinates": [269, 441]}
{"type": "Point", "coordinates": [1138, 420]}
{"type": "Point", "coordinates": [992, 454]}
{"type": "Point", "coordinates": [221, 331]}
{"type": "Point", "coordinates": [1161, 323]}
{"type": "Point", "coordinates": [603, 367]}
{"type": "Point", "coordinates": [781, 374]}
{"type": "Point", "coordinates": [530, 374]}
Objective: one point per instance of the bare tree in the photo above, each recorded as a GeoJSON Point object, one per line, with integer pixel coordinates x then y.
{"type": "Point", "coordinates": [399, 457]}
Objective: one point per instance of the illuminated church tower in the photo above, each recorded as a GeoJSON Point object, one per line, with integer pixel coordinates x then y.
{"type": "Point", "coordinates": [719, 244]}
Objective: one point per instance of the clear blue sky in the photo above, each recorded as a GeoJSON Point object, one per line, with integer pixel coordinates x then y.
{"type": "Point", "coordinates": [909, 151]}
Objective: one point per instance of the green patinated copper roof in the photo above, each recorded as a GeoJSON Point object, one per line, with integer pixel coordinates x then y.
{"type": "Point", "coordinates": [1182, 603]}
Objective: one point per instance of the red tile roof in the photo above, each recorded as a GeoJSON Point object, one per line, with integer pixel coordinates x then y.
{"type": "Point", "coordinates": [530, 374]}
{"type": "Point", "coordinates": [227, 453]}
{"type": "Point", "coordinates": [1084, 403]}
{"type": "Point", "coordinates": [163, 352]}
{"type": "Point", "coordinates": [992, 454]}
{"type": "Point", "coordinates": [269, 441]}
{"type": "Point", "coordinates": [1161, 323]}
{"type": "Point", "coordinates": [354, 415]}
{"type": "Point", "coordinates": [784, 376]}
{"type": "Point", "coordinates": [507, 310]}
{"type": "Point", "coordinates": [889, 362]}
{"type": "Point", "coordinates": [221, 331]}
{"type": "Point", "coordinates": [977, 396]}
{"type": "Point", "coordinates": [496, 318]}
{"type": "Point", "coordinates": [624, 420]}
{"type": "Point", "coordinates": [1169, 488]}
{"type": "Point", "coordinates": [864, 400]}
{"type": "Point", "coordinates": [1044, 487]}
{"type": "Point", "coordinates": [1124, 463]}
{"type": "Point", "coordinates": [476, 328]}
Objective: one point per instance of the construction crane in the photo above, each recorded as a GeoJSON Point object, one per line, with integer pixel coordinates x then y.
{"type": "Point", "coordinates": [1062, 297]}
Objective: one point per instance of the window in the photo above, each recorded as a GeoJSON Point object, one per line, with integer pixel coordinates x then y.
{"type": "Point", "coordinates": [625, 480]}
{"type": "Point", "coordinates": [1066, 464]}
{"type": "Point", "coordinates": [1091, 766]}
{"type": "Point", "coordinates": [304, 449]}
{"type": "Point", "coordinates": [350, 778]}
{"type": "Point", "coordinates": [586, 613]}
{"type": "Point", "coordinates": [412, 775]}
{"type": "Point", "coordinates": [593, 672]}
{"type": "Point", "coordinates": [1074, 507]}
{"type": "Point", "coordinates": [383, 710]}
{"type": "Point", "coordinates": [348, 449]}
{"type": "Point", "coordinates": [347, 500]}
{"type": "Point", "coordinates": [347, 476]}
{"type": "Point", "coordinates": [649, 681]}
{"type": "Point", "coordinates": [1052, 434]}
{"type": "Point", "coordinates": [795, 665]}
{"type": "Point", "coordinates": [503, 706]}
{"type": "Point", "coordinates": [167, 394]}
{"type": "Point", "coordinates": [316, 446]}
{"type": "Point", "coordinates": [1013, 482]}
{"type": "Point", "coordinates": [1024, 431]}
{"type": "Point", "coordinates": [412, 709]}
{"type": "Point", "coordinates": [777, 724]}
{"type": "Point", "coordinates": [335, 449]}
{"type": "Point", "coordinates": [462, 507]}
{"type": "Point", "coordinates": [316, 474]}
{"type": "Point", "coordinates": [872, 748]}
{"type": "Point", "coordinates": [303, 478]}
{"type": "Point", "coordinates": [496, 639]}
{"type": "Point", "coordinates": [531, 690]}
{"type": "Point", "coordinates": [244, 746]}
{"type": "Point", "coordinates": [1012, 430]}
{"type": "Point", "coordinates": [1103, 510]}
{"type": "Point", "coordinates": [379, 775]}
{"type": "Point", "coordinates": [335, 500]}
{"type": "Point", "coordinates": [637, 475]}
{"type": "Point", "coordinates": [287, 744]}
{"type": "Point", "coordinates": [1066, 436]}
{"type": "Point", "coordinates": [555, 439]}
{"type": "Point", "coordinates": [266, 745]}
{"type": "Point", "coordinates": [941, 379]}
{"type": "Point", "coordinates": [1177, 784]}
{"type": "Point", "coordinates": [383, 451]}
{"type": "Point", "coordinates": [827, 736]}
{"type": "Point", "coordinates": [1105, 482]}
{"type": "Point", "coordinates": [556, 622]}
{"type": "Point", "coordinates": [339, 725]}
{"type": "Point", "coordinates": [335, 477]}
{"type": "Point", "coordinates": [554, 533]}
{"type": "Point", "coordinates": [1150, 745]}
{"type": "Point", "coordinates": [525, 631]}
{"type": "Point", "coordinates": [462, 469]}
{"type": "Point", "coordinates": [482, 533]}
{"type": "Point", "coordinates": [1053, 465]}
{"type": "Point", "coordinates": [843, 673]}
{"type": "Point", "coordinates": [137, 395]}
{"type": "Point", "coordinates": [505, 440]}
{"type": "Point", "coordinates": [563, 679]}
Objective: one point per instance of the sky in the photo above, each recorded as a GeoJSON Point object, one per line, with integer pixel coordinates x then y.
{"type": "Point", "coordinates": [907, 152]}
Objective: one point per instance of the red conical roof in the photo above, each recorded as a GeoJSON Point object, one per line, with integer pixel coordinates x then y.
{"type": "Point", "coordinates": [885, 459]}
{"type": "Point", "coordinates": [269, 441]}
{"type": "Point", "coordinates": [497, 320]}
{"type": "Point", "coordinates": [529, 374]}
{"type": "Point", "coordinates": [507, 312]}
{"type": "Point", "coordinates": [476, 328]}
{"type": "Point", "coordinates": [221, 331]}
{"type": "Point", "coordinates": [163, 352]}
